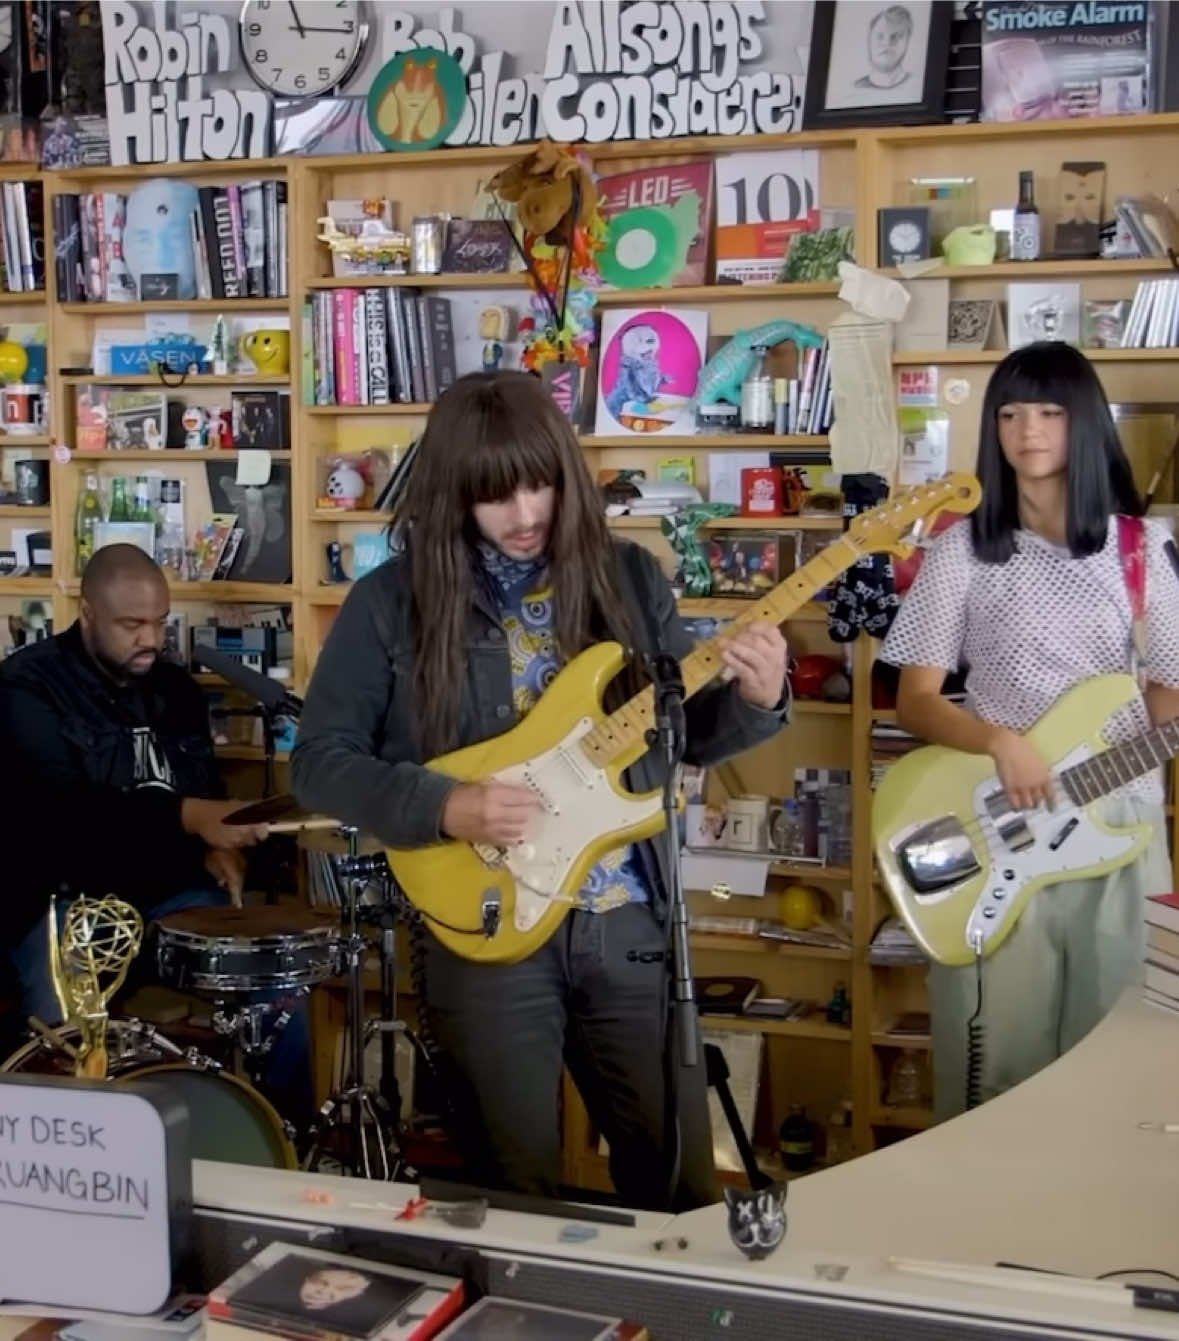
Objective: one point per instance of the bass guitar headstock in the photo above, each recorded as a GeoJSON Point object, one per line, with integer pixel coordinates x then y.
{"type": "Point", "coordinates": [898, 525]}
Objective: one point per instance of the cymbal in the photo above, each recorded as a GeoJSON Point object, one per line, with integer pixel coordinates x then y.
{"type": "Point", "coordinates": [282, 813]}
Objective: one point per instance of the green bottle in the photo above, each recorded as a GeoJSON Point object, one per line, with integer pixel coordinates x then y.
{"type": "Point", "coordinates": [86, 517]}
{"type": "Point", "coordinates": [120, 509]}
{"type": "Point", "coordinates": [141, 506]}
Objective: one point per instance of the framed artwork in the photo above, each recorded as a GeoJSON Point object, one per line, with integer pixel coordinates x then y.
{"type": "Point", "coordinates": [876, 63]}
{"type": "Point", "coordinates": [1149, 433]}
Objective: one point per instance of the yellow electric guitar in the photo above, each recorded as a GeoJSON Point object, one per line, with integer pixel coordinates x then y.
{"type": "Point", "coordinates": [961, 865]}
{"type": "Point", "coordinates": [499, 905]}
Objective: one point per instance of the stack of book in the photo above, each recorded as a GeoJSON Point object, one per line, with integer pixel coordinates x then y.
{"type": "Point", "coordinates": [1162, 951]}
{"type": "Point", "coordinates": [23, 256]}
{"type": "Point", "coordinates": [378, 345]}
{"type": "Point", "coordinates": [892, 944]}
{"type": "Point", "coordinates": [1153, 322]}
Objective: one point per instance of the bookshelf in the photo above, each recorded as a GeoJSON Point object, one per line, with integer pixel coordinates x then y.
{"type": "Point", "coordinates": [810, 1062]}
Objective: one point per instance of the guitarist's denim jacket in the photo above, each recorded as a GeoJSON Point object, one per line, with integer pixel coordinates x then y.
{"type": "Point", "coordinates": [356, 757]}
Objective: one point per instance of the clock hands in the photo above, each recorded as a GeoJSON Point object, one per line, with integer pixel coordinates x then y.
{"type": "Point", "coordinates": [306, 28]}
{"type": "Point", "coordinates": [299, 28]}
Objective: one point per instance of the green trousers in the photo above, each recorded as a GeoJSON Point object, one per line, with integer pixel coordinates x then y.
{"type": "Point", "coordinates": [1075, 949]}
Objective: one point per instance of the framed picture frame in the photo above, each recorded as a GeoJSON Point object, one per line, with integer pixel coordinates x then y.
{"type": "Point", "coordinates": [877, 63]}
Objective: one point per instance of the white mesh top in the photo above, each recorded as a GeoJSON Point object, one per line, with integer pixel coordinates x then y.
{"type": "Point", "coordinates": [1029, 629]}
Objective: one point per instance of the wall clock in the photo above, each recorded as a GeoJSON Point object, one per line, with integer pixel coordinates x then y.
{"type": "Point", "coordinates": [302, 48]}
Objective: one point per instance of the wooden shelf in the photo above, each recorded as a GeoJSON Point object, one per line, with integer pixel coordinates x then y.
{"type": "Point", "coordinates": [350, 515]}
{"type": "Point", "coordinates": [191, 379]}
{"type": "Point", "coordinates": [170, 454]}
{"type": "Point", "coordinates": [818, 707]}
{"type": "Point", "coordinates": [25, 440]}
{"type": "Point", "coordinates": [215, 170]}
{"type": "Point", "coordinates": [17, 510]}
{"type": "Point", "coordinates": [728, 607]}
{"type": "Point", "coordinates": [511, 279]}
{"type": "Point", "coordinates": [1130, 265]}
{"type": "Point", "coordinates": [910, 356]}
{"type": "Point", "coordinates": [254, 593]}
{"type": "Point", "coordinates": [717, 293]}
{"type": "Point", "coordinates": [918, 1042]}
{"type": "Point", "coordinates": [253, 752]}
{"type": "Point", "coordinates": [26, 586]}
{"type": "Point", "coordinates": [646, 523]}
{"type": "Point", "coordinates": [215, 305]}
{"type": "Point", "coordinates": [26, 295]}
{"type": "Point", "coordinates": [916, 1119]}
{"type": "Point", "coordinates": [328, 594]}
{"type": "Point", "coordinates": [422, 408]}
{"type": "Point", "coordinates": [758, 945]}
{"type": "Point", "coordinates": [738, 442]}
{"type": "Point", "coordinates": [975, 133]}
{"type": "Point", "coordinates": [815, 1027]}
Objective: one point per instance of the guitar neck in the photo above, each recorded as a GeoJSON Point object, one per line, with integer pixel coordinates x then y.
{"type": "Point", "coordinates": [627, 727]}
{"type": "Point", "coordinates": [1120, 764]}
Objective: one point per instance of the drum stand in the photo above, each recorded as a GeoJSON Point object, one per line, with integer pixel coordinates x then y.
{"type": "Point", "coordinates": [252, 1044]}
{"type": "Point", "coordinates": [371, 1125]}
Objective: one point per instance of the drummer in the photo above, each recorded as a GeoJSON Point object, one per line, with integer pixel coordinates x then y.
{"type": "Point", "coordinates": [112, 779]}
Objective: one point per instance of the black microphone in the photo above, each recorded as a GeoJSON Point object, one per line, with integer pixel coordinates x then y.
{"type": "Point", "coordinates": [268, 692]}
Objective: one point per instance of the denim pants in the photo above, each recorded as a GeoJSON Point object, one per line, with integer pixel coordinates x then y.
{"type": "Point", "coordinates": [287, 1081]}
{"type": "Point", "coordinates": [594, 998]}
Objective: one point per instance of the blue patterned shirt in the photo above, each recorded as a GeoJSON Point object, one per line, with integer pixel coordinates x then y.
{"type": "Point", "coordinates": [526, 607]}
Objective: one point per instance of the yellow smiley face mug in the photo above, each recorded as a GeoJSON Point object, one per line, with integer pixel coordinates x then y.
{"type": "Point", "coordinates": [269, 351]}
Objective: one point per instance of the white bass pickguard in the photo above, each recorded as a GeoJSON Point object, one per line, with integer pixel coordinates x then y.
{"type": "Point", "coordinates": [579, 806]}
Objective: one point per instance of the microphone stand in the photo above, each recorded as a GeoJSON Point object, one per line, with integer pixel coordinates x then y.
{"type": "Point", "coordinates": [669, 735]}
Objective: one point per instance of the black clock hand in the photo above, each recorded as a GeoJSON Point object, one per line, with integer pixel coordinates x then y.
{"type": "Point", "coordinates": [307, 29]}
{"type": "Point", "coordinates": [298, 23]}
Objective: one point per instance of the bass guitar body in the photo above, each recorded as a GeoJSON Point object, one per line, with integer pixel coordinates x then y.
{"type": "Point", "coordinates": [499, 905]}
{"type": "Point", "coordinates": [961, 865]}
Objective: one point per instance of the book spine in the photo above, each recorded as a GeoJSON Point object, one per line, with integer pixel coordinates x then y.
{"type": "Point", "coordinates": [207, 199]}
{"type": "Point", "coordinates": [429, 373]}
{"type": "Point", "coordinates": [413, 344]}
{"type": "Point", "coordinates": [280, 191]}
{"type": "Point", "coordinates": [441, 332]}
{"type": "Point", "coordinates": [402, 378]}
{"type": "Point", "coordinates": [231, 278]}
{"type": "Point", "coordinates": [238, 235]}
{"type": "Point", "coordinates": [377, 347]}
{"type": "Point", "coordinates": [342, 335]}
{"type": "Point", "coordinates": [359, 352]}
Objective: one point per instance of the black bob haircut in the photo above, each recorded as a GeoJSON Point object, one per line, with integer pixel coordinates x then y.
{"type": "Point", "coordinates": [1100, 482]}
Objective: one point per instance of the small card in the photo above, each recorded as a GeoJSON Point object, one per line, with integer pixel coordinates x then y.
{"type": "Point", "coordinates": [903, 234]}
{"type": "Point", "coordinates": [976, 323]}
{"type": "Point", "coordinates": [253, 467]}
{"type": "Point", "coordinates": [477, 247]}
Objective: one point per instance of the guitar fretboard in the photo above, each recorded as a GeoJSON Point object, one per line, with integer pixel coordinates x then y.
{"type": "Point", "coordinates": [1120, 764]}
{"type": "Point", "coordinates": [626, 728]}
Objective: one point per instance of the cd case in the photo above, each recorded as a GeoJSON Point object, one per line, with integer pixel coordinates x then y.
{"type": "Point", "coordinates": [302, 1292]}
{"type": "Point", "coordinates": [493, 1319]}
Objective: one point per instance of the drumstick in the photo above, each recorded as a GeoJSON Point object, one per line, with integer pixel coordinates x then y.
{"type": "Point", "coordinates": [293, 826]}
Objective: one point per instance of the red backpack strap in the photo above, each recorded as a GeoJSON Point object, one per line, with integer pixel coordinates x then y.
{"type": "Point", "coordinates": [1132, 549]}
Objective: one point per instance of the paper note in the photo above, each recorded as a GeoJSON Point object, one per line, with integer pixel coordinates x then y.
{"type": "Point", "coordinates": [253, 467]}
{"type": "Point", "coordinates": [872, 294]}
{"type": "Point", "coordinates": [864, 432]}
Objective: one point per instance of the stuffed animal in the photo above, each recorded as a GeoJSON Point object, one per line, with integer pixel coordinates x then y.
{"type": "Point", "coordinates": [345, 481]}
{"type": "Point", "coordinates": [541, 186]}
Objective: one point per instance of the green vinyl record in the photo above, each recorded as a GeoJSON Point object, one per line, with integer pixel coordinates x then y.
{"type": "Point", "coordinates": [646, 247]}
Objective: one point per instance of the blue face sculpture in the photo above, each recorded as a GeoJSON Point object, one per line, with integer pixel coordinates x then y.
{"type": "Point", "coordinates": [157, 238]}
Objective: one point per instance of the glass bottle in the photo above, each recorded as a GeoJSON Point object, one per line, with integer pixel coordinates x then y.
{"type": "Point", "coordinates": [796, 1140]}
{"type": "Point", "coordinates": [87, 515]}
{"type": "Point", "coordinates": [839, 1134]}
{"type": "Point", "coordinates": [839, 1007]}
{"type": "Point", "coordinates": [904, 1081]}
{"type": "Point", "coordinates": [757, 396]}
{"type": "Point", "coordinates": [1025, 226]}
{"type": "Point", "coordinates": [120, 509]}
{"type": "Point", "coordinates": [141, 509]}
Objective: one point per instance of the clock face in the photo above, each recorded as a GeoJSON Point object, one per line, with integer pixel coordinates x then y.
{"type": "Point", "coordinates": [302, 48]}
{"type": "Point", "coordinates": [904, 237]}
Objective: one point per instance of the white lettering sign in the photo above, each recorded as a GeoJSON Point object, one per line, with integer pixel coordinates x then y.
{"type": "Point", "coordinates": [85, 1165]}
{"type": "Point", "coordinates": [618, 72]}
{"type": "Point", "coordinates": [156, 106]}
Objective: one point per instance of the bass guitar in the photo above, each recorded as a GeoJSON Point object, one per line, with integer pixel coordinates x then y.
{"type": "Point", "coordinates": [961, 864]}
{"type": "Point", "coordinates": [500, 904]}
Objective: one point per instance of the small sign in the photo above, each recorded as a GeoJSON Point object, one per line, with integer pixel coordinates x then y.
{"type": "Point", "coordinates": [159, 286]}
{"type": "Point", "coordinates": [416, 99]}
{"type": "Point", "coordinates": [563, 383]}
{"type": "Point", "coordinates": [104, 1169]}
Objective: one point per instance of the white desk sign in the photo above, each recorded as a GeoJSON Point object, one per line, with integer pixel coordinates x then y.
{"type": "Point", "coordinates": [95, 1192]}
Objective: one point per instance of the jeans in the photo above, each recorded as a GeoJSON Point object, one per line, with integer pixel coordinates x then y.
{"type": "Point", "coordinates": [594, 998]}
{"type": "Point", "coordinates": [287, 1080]}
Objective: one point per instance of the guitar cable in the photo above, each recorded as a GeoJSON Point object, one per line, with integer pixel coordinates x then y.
{"type": "Point", "coordinates": [975, 1038]}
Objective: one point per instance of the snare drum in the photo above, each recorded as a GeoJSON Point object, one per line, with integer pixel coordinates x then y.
{"type": "Point", "coordinates": [228, 1119]}
{"type": "Point", "coordinates": [246, 951]}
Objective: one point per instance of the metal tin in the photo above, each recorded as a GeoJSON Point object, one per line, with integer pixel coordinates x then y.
{"type": "Point", "coordinates": [426, 240]}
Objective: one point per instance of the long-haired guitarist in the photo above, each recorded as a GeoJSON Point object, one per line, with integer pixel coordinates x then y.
{"type": "Point", "coordinates": [506, 570]}
{"type": "Point", "coordinates": [1031, 597]}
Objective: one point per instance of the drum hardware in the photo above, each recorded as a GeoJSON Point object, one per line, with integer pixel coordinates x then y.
{"type": "Point", "coordinates": [244, 1025]}
{"type": "Point", "coordinates": [371, 1120]}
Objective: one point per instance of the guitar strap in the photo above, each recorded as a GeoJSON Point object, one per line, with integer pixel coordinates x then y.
{"type": "Point", "coordinates": [1132, 551]}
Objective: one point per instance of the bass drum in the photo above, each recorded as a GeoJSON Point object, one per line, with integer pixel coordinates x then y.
{"type": "Point", "coordinates": [228, 1119]}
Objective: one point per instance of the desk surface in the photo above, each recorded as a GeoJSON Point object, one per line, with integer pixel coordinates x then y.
{"type": "Point", "coordinates": [1056, 1174]}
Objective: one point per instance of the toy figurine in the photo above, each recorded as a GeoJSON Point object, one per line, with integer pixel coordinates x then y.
{"type": "Point", "coordinates": [722, 375]}
{"type": "Point", "coordinates": [493, 328]}
{"type": "Point", "coordinates": [335, 562]}
{"type": "Point", "coordinates": [193, 423]}
{"type": "Point", "coordinates": [219, 347]}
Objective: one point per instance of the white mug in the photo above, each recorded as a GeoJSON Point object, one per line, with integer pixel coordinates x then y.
{"type": "Point", "coordinates": [747, 823]}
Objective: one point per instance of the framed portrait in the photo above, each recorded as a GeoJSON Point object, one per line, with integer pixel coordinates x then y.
{"type": "Point", "coordinates": [877, 63]}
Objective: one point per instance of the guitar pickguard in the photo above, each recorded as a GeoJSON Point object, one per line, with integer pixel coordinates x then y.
{"type": "Point", "coordinates": [1028, 848]}
{"type": "Point", "coordinates": [580, 804]}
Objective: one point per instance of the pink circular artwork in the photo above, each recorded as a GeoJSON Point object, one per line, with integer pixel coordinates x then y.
{"type": "Point", "coordinates": [650, 363]}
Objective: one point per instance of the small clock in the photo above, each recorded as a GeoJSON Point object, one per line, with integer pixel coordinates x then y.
{"type": "Point", "coordinates": [302, 48]}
